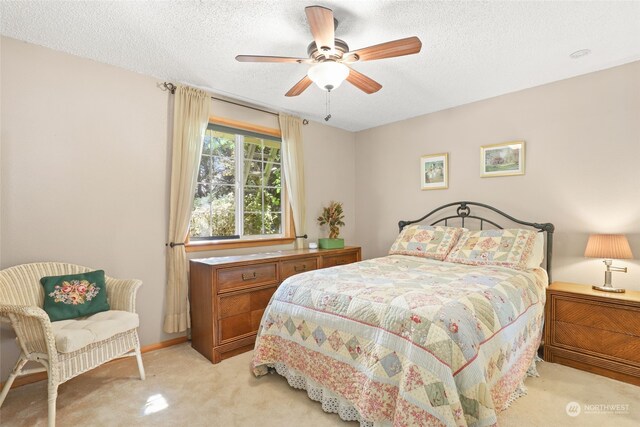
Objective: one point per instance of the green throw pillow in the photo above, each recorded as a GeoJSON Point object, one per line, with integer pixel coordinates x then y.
{"type": "Point", "coordinates": [74, 295]}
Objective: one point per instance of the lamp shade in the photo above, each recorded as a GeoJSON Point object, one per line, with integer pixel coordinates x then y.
{"type": "Point", "coordinates": [608, 246]}
{"type": "Point", "coordinates": [328, 75]}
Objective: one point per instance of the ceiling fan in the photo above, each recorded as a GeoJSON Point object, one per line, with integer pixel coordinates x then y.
{"type": "Point", "coordinates": [330, 57]}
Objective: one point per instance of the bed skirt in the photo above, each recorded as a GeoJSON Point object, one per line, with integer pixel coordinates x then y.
{"type": "Point", "coordinates": [334, 404]}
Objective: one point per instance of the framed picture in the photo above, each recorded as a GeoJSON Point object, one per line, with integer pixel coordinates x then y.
{"type": "Point", "coordinates": [434, 171]}
{"type": "Point", "coordinates": [502, 159]}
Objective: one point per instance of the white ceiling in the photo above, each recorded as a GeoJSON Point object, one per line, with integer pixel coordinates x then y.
{"type": "Point", "coordinates": [471, 50]}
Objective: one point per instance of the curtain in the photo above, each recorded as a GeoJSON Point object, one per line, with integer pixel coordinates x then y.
{"type": "Point", "coordinates": [293, 164]}
{"type": "Point", "coordinates": [190, 119]}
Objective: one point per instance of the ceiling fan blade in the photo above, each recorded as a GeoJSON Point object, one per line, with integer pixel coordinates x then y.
{"type": "Point", "coordinates": [401, 47]}
{"type": "Point", "coordinates": [299, 87]}
{"type": "Point", "coordinates": [322, 27]}
{"type": "Point", "coordinates": [362, 82]}
{"type": "Point", "coordinates": [257, 58]}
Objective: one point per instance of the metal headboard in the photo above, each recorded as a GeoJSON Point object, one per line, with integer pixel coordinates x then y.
{"type": "Point", "coordinates": [463, 211]}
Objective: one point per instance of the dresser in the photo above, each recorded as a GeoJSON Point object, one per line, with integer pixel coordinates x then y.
{"type": "Point", "coordinates": [594, 331]}
{"type": "Point", "coordinates": [228, 295]}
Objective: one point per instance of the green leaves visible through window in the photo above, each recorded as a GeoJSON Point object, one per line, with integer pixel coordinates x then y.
{"type": "Point", "coordinates": [237, 198]}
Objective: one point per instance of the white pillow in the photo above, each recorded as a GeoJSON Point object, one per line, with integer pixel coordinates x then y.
{"type": "Point", "coordinates": [537, 255]}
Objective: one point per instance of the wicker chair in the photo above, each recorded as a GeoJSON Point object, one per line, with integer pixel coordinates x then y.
{"type": "Point", "coordinates": [40, 340]}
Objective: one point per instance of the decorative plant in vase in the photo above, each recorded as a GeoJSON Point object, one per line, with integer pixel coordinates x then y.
{"type": "Point", "coordinates": [332, 216]}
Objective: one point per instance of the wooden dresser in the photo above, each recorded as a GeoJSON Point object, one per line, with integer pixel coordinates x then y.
{"type": "Point", "coordinates": [229, 294]}
{"type": "Point", "coordinates": [594, 331]}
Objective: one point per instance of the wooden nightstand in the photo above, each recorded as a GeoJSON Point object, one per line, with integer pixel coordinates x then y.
{"type": "Point", "coordinates": [594, 331]}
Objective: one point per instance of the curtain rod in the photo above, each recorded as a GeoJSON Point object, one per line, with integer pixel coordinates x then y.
{"type": "Point", "coordinates": [172, 88]}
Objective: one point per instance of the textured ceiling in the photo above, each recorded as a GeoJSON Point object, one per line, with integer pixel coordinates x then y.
{"type": "Point", "coordinates": [471, 50]}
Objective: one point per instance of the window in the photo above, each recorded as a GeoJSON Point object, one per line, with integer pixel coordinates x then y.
{"type": "Point", "coordinates": [239, 192]}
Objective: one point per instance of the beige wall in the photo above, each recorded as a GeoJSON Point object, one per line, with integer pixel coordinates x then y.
{"type": "Point", "coordinates": [84, 172]}
{"type": "Point", "coordinates": [582, 174]}
{"type": "Point", "coordinates": [85, 169]}
{"type": "Point", "coordinates": [84, 176]}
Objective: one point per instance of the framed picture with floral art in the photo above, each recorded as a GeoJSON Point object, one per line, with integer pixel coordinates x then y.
{"type": "Point", "coordinates": [503, 159]}
{"type": "Point", "coordinates": [434, 171]}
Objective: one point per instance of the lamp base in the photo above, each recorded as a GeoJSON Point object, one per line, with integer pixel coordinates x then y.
{"type": "Point", "coordinates": [608, 289]}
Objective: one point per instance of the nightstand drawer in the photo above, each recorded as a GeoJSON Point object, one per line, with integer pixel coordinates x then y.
{"type": "Point", "coordinates": [599, 341]}
{"type": "Point", "coordinates": [598, 315]}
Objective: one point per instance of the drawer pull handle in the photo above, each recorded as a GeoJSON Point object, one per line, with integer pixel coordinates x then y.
{"type": "Point", "coordinates": [246, 276]}
{"type": "Point", "coordinates": [296, 269]}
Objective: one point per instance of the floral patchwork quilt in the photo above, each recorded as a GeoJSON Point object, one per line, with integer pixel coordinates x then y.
{"type": "Point", "coordinates": [406, 340]}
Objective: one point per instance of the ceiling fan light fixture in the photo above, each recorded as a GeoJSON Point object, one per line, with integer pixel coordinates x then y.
{"type": "Point", "coordinates": [328, 75]}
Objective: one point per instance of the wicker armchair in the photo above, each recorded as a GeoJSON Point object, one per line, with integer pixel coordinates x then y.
{"type": "Point", "coordinates": [40, 340]}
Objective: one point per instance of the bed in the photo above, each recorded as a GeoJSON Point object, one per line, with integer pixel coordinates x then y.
{"type": "Point", "coordinates": [418, 337]}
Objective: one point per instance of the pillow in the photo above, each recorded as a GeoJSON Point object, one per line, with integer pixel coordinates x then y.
{"type": "Point", "coordinates": [537, 255]}
{"type": "Point", "coordinates": [510, 248]}
{"type": "Point", "coordinates": [426, 241]}
{"type": "Point", "coordinates": [74, 295]}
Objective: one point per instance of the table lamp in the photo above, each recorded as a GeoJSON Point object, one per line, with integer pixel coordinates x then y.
{"type": "Point", "coordinates": [608, 247]}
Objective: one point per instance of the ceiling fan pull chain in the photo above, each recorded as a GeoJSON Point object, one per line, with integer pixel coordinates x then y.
{"type": "Point", "coordinates": [327, 106]}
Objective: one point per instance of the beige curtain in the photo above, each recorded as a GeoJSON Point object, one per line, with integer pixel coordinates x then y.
{"type": "Point", "coordinates": [190, 119]}
{"type": "Point", "coordinates": [293, 164]}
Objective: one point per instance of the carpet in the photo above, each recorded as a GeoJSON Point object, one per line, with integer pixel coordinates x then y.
{"type": "Point", "coordinates": [184, 388]}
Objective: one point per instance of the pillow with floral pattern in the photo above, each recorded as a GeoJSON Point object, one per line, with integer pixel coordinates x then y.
{"type": "Point", "coordinates": [427, 241]}
{"type": "Point", "coordinates": [74, 295]}
{"type": "Point", "coordinates": [509, 248]}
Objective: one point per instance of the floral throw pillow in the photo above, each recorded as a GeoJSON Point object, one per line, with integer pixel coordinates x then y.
{"type": "Point", "coordinates": [74, 295]}
{"type": "Point", "coordinates": [426, 241]}
{"type": "Point", "coordinates": [506, 248]}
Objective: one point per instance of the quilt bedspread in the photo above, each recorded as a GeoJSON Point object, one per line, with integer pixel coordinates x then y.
{"type": "Point", "coordinates": [406, 340]}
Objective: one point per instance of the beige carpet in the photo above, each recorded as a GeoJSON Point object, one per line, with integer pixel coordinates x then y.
{"type": "Point", "coordinates": [183, 388]}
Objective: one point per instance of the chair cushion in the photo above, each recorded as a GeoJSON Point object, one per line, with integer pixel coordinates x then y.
{"type": "Point", "coordinates": [74, 295]}
{"type": "Point", "coordinates": [74, 334]}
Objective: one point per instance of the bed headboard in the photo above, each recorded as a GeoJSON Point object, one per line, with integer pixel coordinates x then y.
{"type": "Point", "coordinates": [463, 212]}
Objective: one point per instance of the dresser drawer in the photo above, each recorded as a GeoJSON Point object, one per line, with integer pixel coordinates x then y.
{"type": "Point", "coordinates": [246, 276]}
{"type": "Point", "coordinates": [333, 260]}
{"type": "Point", "coordinates": [240, 314]}
{"type": "Point", "coordinates": [235, 304]}
{"type": "Point", "coordinates": [289, 268]}
{"type": "Point", "coordinates": [598, 315]}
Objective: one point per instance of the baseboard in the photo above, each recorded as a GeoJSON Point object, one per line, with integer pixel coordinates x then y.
{"type": "Point", "coordinates": [163, 344]}
{"type": "Point", "coordinates": [40, 376]}
{"type": "Point", "coordinates": [28, 379]}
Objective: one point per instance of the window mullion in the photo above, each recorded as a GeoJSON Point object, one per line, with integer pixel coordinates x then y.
{"type": "Point", "coordinates": [262, 186]}
{"type": "Point", "coordinates": [240, 185]}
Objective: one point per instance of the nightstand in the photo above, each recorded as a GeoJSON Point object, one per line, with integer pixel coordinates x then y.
{"type": "Point", "coordinates": [594, 331]}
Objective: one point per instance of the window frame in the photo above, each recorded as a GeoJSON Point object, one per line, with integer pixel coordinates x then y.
{"type": "Point", "coordinates": [288, 235]}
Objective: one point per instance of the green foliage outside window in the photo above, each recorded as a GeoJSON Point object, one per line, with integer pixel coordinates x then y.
{"type": "Point", "coordinates": [215, 208]}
